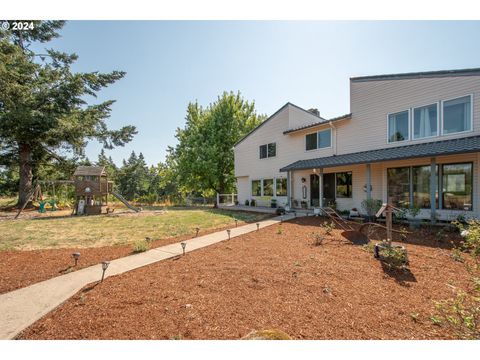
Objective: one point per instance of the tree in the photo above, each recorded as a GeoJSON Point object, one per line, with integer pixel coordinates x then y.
{"type": "Point", "coordinates": [203, 157]}
{"type": "Point", "coordinates": [133, 177]}
{"type": "Point", "coordinates": [43, 109]}
{"type": "Point", "coordinates": [110, 166]}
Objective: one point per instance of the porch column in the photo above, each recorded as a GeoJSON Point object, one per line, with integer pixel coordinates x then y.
{"type": "Point", "coordinates": [369, 182]}
{"type": "Point", "coordinates": [320, 187]}
{"type": "Point", "coordinates": [289, 188]}
{"type": "Point", "coordinates": [433, 188]}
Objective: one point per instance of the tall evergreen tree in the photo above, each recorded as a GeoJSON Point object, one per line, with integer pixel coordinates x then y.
{"type": "Point", "coordinates": [43, 111]}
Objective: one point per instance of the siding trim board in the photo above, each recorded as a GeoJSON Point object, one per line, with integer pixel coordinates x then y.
{"type": "Point", "coordinates": [418, 75]}
{"type": "Point", "coordinates": [445, 147]}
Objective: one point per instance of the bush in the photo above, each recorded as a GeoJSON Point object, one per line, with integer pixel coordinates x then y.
{"type": "Point", "coordinates": [140, 246]}
{"type": "Point", "coordinates": [371, 206]}
{"type": "Point", "coordinates": [328, 227]}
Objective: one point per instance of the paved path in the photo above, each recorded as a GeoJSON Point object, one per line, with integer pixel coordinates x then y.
{"type": "Point", "coordinates": [22, 307]}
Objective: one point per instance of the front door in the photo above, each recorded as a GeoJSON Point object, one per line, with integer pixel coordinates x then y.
{"type": "Point", "coordinates": [328, 189]}
{"type": "Point", "coordinates": [314, 190]}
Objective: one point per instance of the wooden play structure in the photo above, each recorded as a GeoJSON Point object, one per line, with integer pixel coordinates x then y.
{"type": "Point", "coordinates": [92, 188]}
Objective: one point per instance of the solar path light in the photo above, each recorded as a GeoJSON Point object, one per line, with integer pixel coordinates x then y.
{"type": "Point", "coordinates": [236, 222]}
{"type": "Point", "coordinates": [76, 256]}
{"type": "Point", "coordinates": [258, 226]}
{"type": "Point", "coordinates": [197, 230]}
{"type": "Point", "coordinates": [104, 268]}
{"type": "Point", "coordinates": [184, 245]}
{"type": "Point", "coordinates": [228, 232]}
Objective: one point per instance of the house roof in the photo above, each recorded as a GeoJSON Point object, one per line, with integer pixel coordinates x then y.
{"type": "Point", "coordinates": [338, 118]}
{"type": "Point", "coordinates": [418, 75]}
{"type": "Point", "coordinates": [435, 148]}
{"type": "Point", "coordinates": [89, 171]}
{"type": "Point", "coordinates": [273, 115]}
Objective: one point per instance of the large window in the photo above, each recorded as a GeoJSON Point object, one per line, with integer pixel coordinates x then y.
{"type": "Point", "coordinates": [268, 150]}
{"type": "Point", "coordinates": [256, 188]}
{"type": "Point", "coordinates": [457, 115]}
{"type": "Point", "coordinates": [281, 189]}
{"type": "Point", "coordinates": [411, 186]}
{"type": "Point", "coordinates": [319, 140]}
{"type": "Point", "coordinates": [425, 120]}
{"type": "Point", "coordinates": [268, 187]}
{"type": "Point", "coordinates": [398, 187]}
{"type": "Point", "coordinates": [421, 187]}
{"type": "Point", "coordinates": [344, 184]}
{"type": "Point", "coordinates": [457, 186]}
{"type": "Point", "coordinates": [398, 126]}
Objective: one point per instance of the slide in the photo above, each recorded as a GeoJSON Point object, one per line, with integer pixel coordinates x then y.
{"type": "Point", "coordinates": [124, 201]}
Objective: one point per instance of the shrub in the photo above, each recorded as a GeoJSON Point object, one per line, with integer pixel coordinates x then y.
{"type": "Point", "coordinates": [328, 227]}
{"type": "Point", "coordinates": [371, 206]}
{"type": "Point", "coordinates": [395, 257]}
{"type": "Point", "coordinates": [140, 246]}
{"type": "Point", "coordinates": [280, 210]}
{"type": "Point", "coordinates": [318, 239]}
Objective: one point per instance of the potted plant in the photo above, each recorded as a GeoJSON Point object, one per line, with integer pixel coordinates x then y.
{"type": "Point", "coordinates": [252, 203]}
{"type": "Point", "coordinates": [273, 203]}
{"type": "Point", "coordinates": [414, 221]}
{"type": "Point", "coordinates": [247, 203]}
{"type": "Point", "coordinates": [303, 204]}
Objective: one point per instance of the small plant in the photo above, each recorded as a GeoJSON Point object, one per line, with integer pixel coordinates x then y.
{"type": "Point", "coordinates": [280, 230]}
{"type": "Point", "coordinates": [394, 257]}
{"type": "Point", "coordinates": [371, 206]}
{"type": "Point", "coordinates": [327, 227]}
{"type": "Point", "coordinates": [280, 210]}
{"type": "Point", "coordinates": [252, 203]}
{"type": "Point", "coordinates": [247, 203]}
{"type": "Point", "coordinates": [457, 255]}
{"type": "Point", "coordinates": [414, 211]}
{"type": "Point", "coordinates": [318, 239]}
{"type": "Point", "coordinates": [414, 316]}
{"type": "Point", "coordinates": [369, 247]}
{"type": "Point", "coordinates": [140, 246]}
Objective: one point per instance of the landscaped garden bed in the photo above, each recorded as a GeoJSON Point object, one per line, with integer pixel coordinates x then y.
{"type": "Point", "coordinates": [291, 277]}
{"type": "Point", "coordinates": [52, 254]}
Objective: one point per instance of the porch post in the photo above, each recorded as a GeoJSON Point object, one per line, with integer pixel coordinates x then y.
{"type": "Point", "coordinates": [369, 182]}
{"type": "Point", "coordinates": [320, 187]}
{"type": "Point", "coordinates": [289, 188]}
{"type": "Point", "coordinates": [433, 188]}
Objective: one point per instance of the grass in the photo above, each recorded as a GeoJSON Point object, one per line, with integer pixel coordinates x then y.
{"type": "Point", "coordinates": [95, 231]}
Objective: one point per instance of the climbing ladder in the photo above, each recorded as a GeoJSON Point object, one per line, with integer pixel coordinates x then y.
{"type": "Point", "coordinates": [124, 201]}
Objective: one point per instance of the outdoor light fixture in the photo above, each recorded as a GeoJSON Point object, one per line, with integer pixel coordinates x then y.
{"type": "Point", "coordinates": [197, 229]}
{"type": "Point", "coordinates": [295, 213]}
{"type": "Point", "coordinates": [184, 245]}
{"type": "Point", "coordinates": [258, 226]}
{"type": "Point", "coordinates": [236, 222]}
{"type": "Point", "coordinates": [104, 268]}
{"type": "Point", "coordinates": [228, 232]}
{"type": "Point", "coordinates": [76, 256]}
{"type": "Point", "coordinates": [281, 218]}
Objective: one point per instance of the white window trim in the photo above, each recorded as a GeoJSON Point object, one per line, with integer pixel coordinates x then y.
{"type": "Point", "coordinates": [267, 157]}
{"type": "Point", "coordinates": [413, 121]}
{"type": "Point", "coordinates": [317, 148]}
{"type": "Point", "coordinates": [409, 127]}
{"type": "Point", "coordinates": [471, 115]}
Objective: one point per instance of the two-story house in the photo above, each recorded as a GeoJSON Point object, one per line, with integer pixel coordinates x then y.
{"type": "Point", "coordinates": [412, 140]}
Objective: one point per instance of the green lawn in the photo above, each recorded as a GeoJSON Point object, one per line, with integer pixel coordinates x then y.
{"type": "Point", "coordinates": [92, 231]}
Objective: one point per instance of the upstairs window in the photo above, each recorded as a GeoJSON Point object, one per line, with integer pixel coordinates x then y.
{"type": "Point", "coordinates": [457, 115]}
{"type": "Point", "coordinates": [268, 150]}
{"type": "Point", "coordinates": [398, 127]}
{"type": "Point", "coordinates": [425, 120]}
{"type": "Point", "coordinates": [318, 140]}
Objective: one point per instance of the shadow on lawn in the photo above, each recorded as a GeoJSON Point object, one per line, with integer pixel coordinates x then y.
{"type": "Point", "coordinates": [402, 276]}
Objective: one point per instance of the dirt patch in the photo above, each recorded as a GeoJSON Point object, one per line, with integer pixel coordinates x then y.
{"type": "Point", "coordinates": [274, 278]}
{"type": "Point", "coordinates": [23, 268]}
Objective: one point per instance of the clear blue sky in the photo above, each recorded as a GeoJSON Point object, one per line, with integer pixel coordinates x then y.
{"type": "Point", "coordinates": [170, 63]}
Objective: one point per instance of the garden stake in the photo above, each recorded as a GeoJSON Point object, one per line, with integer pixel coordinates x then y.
{"type": "Point", "coordinates": [76, 256]}
{"type": "Point", "coordinates": [104, 268]}
{"type": "Point", "coordinates": [228, 232]}
{"type": "Point", "coordinates": [184, 245]}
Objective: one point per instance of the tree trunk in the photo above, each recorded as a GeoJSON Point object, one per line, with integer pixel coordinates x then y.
{"type": "Point", "coordinates": [26, 174]}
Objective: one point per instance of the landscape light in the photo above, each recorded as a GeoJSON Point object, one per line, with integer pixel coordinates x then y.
{"type": "Point", "coordinates": [197, 229]}
{"type": "Point", "coordinates": [295, 213]}
{"type": "Point", "coordinates": [281, 218]}
{"type": "Point", "coordinates": [236, 222]}
{"type": "Point", "coordinates": [258, 226]}
{"type": "Point", "coordinates": [104, 268]}
{"type": "Point", "coordinates": [184, 245]}
{"type": "Point", "coordinates": [228, 232]}
{"type": "Point", "coordinates": [76, 256]}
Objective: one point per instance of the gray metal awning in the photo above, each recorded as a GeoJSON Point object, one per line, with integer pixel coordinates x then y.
{"type": "Point", "coordinates": [429, 149]}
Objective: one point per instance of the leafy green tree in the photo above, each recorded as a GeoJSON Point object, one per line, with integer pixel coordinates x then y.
{"type": "Point", "coordinates": [44, 113]}
{"type": "Point", "coordinates": [203, 158]}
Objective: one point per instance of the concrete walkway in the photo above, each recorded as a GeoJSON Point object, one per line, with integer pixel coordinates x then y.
{"type": "Point", "coordinates": [21, 308]}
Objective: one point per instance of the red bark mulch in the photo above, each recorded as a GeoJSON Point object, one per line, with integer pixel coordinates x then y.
{"type": "Point", "coordinates": [274, 278]}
